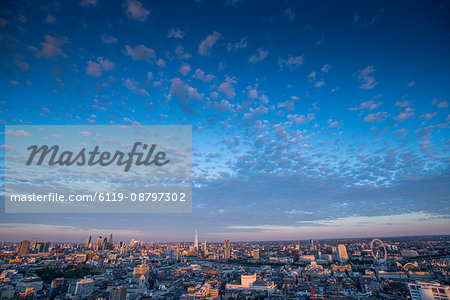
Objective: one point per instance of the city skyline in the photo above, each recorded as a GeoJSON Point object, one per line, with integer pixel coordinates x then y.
{"type": "Point", "coordinates": [196, 240]}
{"type": "Point", "coordinates": [372, 269]}
{"type": "Point", "coordinates": [310, 119]}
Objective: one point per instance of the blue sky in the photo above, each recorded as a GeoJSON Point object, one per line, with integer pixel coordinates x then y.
{"type": "Point", "coordinates": [311, 119]}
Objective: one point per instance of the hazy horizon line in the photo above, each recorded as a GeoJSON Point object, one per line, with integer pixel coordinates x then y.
{"type": "Point", "coordinates": [261, 241]}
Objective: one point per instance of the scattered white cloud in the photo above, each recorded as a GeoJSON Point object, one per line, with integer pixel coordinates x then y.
{"type": "Point", "coordinates": [51, 47]}
{"type": "Point", "coordinates": [401, 132]}
{"type": "Point", "coordinates": [96, 69]}
{"type": "Point", "coordinates": [408, 113]}
{"type": "Point", "coordinates": [242, 43]}
{"type": "Point", "coordinates": [202, 76]}
{"type": "Point", "coordinates": [439, 103]}
{"type": "Point", "coordinates": [252, 92]}
{"type": "Point", "coordinates": [288, 105]}
{"type": "Point", "coordinates": [426, 117]}
{"type": "Point", "coordinates": [206, 45]}
{"type": "Point", "coordinates": [319, 84]}
{"type": "Point", "coordinates": [223, 106]}
{"type": "Point", "coordinates": [326, 68]}
{"type": "Point", "coordinates": [302, 119]}
{"type": "Point", "coordinates": [176, 33]}
{"type": "Point", "coordinates": [179, 51]}
{"type": "Point", "coordinates": [14, 83]}
{"type": "Point", "coordinates": [131, 122]}
{"type": "Point", "coordinates": [161, 63]}
{"type": "Point", "coordinates": [133, 85]}
{"type": "Point", "coordinates": [376, 117]}
{"type": "Point", "coordinates": [425, 145]}
{"type": "Point", "coordinates": [184, 92]}
{"type": "Point", "coordinates": [185, 69]}
{"type": "Point", "coordinates": [333, 124]}
{"type": "Point", "coordinates": [227, 88]}
{"type": "Point", "coordinates": [136, 11]}
{"type": "Point", "coordinates": [106, 64]}
{"type": "Point", "coordinates": [93, 69]}
{"type": "Point", "coordinates": [402, 103]}
{"type": "Point", "coordinates": [290, 62]}
{"type": "Point", "coordinates": [260, 54]}
{"type": "Point", "coordinates": [367, 81]}
{"type": "Point", "coordinates": [108, 39]}
{"type": "Point", "coordinates": [19, 133]}
{"type": "Point", "coordinates": [140, 52]}
{"type": "Point", "coordinates": [367, 104]}
{"type": "Point", "coordinates": [312, 75]}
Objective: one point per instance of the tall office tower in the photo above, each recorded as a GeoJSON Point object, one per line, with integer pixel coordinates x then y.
{"type": "Point", "coordinates": [84, 287]}
{"type": "Point", "coordinates": [118, 293]}
{"type": "Point", "coordinates": [312, 245]}
{"type": "Point", "coordinates": [88, 241]}
{"type": "Point", "coordinates": [105, 243]}
{"type": "Point", "coordinates": [99, 242]}
{"type": "Point", "coordinates": [227, 250]}
{"type": "Point", "coordinates": [255, 254]}
{"type": "Point", "coordinates": [342, 253]}
{"type": "Point", "coordinates": [23, 247]}
{"type": "Point", "coordinates": [425, 290]}
{"type": "Point", "coordinates": [33, 243]}
{"type": "Point", "coordinates": [204, 246]}
{"type": "Point", "coordinates": [111, 243]}
{"type": "Point", "coordinates": [196, 241]}
{"type": "Point", "coordinates": [42, 247]}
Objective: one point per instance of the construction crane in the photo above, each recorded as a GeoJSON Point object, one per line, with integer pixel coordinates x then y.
{"type": "Point", "coordinates": [310, 288]}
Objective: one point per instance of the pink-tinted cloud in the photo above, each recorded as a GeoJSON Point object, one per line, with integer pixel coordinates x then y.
{"type": "Point", "coordinates": [19, 133]}
{"type": "Point", "coordinates": [106, 64]}
{"type": "Point", "coordinates": [408, 113]}
{"type": "Point", "coordinates": [367, 104]}
{"type": "Point", "coordinates": [204, 48]}
{"type": "Point", "coordinates": [427, 117]}
{"type": "Point", "coordinates": [93, 69]}
{"type": "Point", "coordinates": [201, 75]}
{"type": "Point", "coordinates": [290, 62]}
{"type": "Point", "coordinates": [302, 119]}
{"type": "Point", "coordinates": [364, 76]}
{"type": "Point", "coordinates": [52, 47]}
{"type": "Point", "coordinates": [333, 124]}
{"type": "Point", "coordinates": [260, 54]}
{"type": "Point", "coordinates": [227, 88]}
{"type": "Point", "coordinates": [176, 33]}
{"type": "Point", "coordinates": [376, 117]}
{"type": "Point", "coordinates": [439, 103]}
{"type": "Point", "coordinates": [140, 52]}
{"type": "Point", "coordinates": [136, 11]}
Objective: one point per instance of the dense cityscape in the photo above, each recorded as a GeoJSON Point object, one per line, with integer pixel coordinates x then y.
{"type": "Point", "coordinates": [102, 268]}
